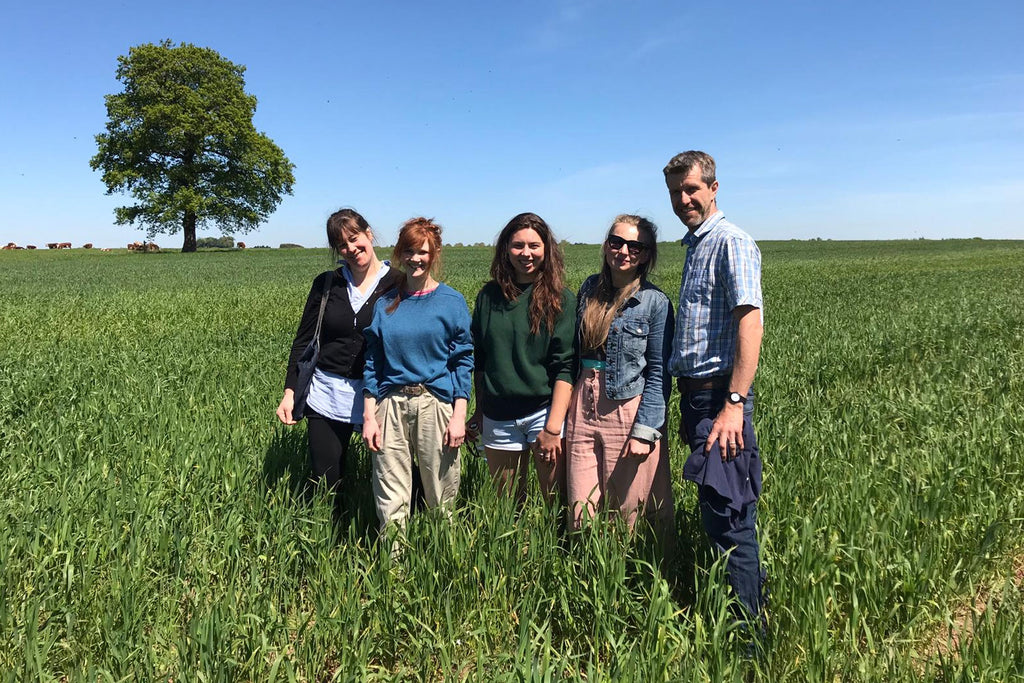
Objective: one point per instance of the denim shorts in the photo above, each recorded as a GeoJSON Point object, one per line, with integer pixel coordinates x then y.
{"type": "Point", "coordinates": [513, 435]}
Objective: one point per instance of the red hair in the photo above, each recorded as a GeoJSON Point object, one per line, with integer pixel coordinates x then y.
{"type": "Point", "coordinates": [413, 234]}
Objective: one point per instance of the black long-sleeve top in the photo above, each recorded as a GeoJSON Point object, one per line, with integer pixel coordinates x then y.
{"type": "Point", "coordinates": [342, 346]}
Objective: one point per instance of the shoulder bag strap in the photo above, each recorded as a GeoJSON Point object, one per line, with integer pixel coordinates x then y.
{"type": "Point", "coordinates": [323, 305]}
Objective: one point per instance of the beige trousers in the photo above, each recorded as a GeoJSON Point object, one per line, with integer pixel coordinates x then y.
{"type": "Point", "coordinates": [412, 431]}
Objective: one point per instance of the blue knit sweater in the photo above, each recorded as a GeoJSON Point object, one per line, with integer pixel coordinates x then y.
{"type": "Point", "coordinates": [426, 340]}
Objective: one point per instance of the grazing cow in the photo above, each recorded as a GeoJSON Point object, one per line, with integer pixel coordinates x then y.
{"type": "Point", "coordinates": [30, 246]}
{"type": "Point", "coordinates": [64, 245]}
{"type": "Point", "coordinates": [135, 246]}
{"type": "Point", "coordinates": [51, 245]}
{"type": "Point", "coordinates": [87, 245]}
{"type": "Point", "coordinates": [241, 245]}
{"type": "Point", "coordinates": [9, 245]}
{"type": "Point", "coordinates": [152, 247]}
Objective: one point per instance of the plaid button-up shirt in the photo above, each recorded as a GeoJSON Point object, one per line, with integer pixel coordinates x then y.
{"type": "Point", "coordinates": [722, 271]}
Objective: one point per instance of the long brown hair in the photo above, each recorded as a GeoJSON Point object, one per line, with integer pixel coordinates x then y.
{"type": "Point", "coordinates": [546, 299]}
{"type": "Point", "coordinates": [413, 234]}
{"type": "Point", "coordinates": [605, 301]}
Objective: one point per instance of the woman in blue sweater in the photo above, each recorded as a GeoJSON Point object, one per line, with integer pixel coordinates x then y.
{"type": "Point", "coordinates": [417, 380]}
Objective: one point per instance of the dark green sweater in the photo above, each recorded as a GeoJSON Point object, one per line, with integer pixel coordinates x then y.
{"type": "Point", "coordinates": [519, 368]}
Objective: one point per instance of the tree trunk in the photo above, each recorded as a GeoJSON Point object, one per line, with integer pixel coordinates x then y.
{"type": "Point", "coordinates": [189, 225]}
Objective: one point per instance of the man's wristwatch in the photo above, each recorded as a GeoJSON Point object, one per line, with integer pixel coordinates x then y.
{"type": "Point", "coordinates": [736, 397]}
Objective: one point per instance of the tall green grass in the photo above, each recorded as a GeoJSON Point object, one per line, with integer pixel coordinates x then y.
{"type": "Point", "coordinates": [153, 523]}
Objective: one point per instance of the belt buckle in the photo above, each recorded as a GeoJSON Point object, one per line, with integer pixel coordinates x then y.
{"type": "Point", "coordinates": [413, 389]}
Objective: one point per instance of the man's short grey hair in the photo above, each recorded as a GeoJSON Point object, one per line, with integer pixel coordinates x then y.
{"type": "Point", "coordinates": [683, 163]}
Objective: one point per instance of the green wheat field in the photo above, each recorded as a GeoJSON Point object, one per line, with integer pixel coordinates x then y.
{"type": "Point", "coordinates": [153, 524]}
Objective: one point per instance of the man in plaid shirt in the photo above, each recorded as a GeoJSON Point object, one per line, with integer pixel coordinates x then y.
{"type": "Point", "coordinates": [714, 356]}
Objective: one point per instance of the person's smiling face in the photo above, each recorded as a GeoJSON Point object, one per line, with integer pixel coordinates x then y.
{"type": "Point", "coordinates": [357, 250]}
{"type": "Point", "coordinates": [625, 251]}
{"type": "Point", "coordinates": [692, 200]}
{"type": "Point", "coordinates": [416, 262]}
{"type": "Point", "coordinates": [526, 252]}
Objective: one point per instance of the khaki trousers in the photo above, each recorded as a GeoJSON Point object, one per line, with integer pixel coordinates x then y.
{"type": "Point", "coordinates": [412, 430]}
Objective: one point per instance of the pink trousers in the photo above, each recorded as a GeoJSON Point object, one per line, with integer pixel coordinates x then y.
{"type": "Point", "coordinates": [598, 475]}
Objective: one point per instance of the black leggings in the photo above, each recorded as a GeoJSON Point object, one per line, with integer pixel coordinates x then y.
{"type": "Point", "coordinates": [328, 448]}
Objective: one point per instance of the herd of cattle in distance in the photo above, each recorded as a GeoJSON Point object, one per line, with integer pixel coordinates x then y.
{"type": "Point", "coordinates": [134, 246]}
{"type": "Point", "coordinates": [49, 245]}
{"type": "Point", "coordinates": [63, 245]}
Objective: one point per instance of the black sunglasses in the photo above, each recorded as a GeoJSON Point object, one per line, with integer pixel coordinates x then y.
{"type": "Point", "coordinates": [636, 247]}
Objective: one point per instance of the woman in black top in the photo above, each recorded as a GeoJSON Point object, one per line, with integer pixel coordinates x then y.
{"type": "Point", "coordinates": [334, 405]}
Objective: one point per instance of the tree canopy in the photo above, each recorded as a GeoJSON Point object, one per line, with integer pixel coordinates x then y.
{"type": "Point", "coordinates": [180, 139]}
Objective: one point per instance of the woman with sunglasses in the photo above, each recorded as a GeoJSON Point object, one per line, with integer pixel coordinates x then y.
{"type": "Point", "coordinates": [617, 454]}
{"type": "Point", "coordinates": [417, 380]}
{"type": "Point", "coordinates": [523, 340]}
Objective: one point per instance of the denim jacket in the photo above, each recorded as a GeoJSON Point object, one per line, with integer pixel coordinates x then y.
{"type": "Point", "coordinates": [636, 354]}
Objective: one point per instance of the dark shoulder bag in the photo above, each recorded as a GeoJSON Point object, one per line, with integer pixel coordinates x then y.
{"type": "Point", "coordinates": [310, 356]}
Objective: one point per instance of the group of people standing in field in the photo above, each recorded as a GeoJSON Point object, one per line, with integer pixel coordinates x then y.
{"type": "Point", "coordinates": [577, 383]}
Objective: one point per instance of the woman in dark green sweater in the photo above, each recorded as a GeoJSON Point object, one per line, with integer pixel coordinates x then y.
{"type": "Point", "coordinates": [523, 327]}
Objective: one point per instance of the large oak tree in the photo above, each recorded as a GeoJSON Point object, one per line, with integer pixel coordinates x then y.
{"type": "Point", "coordinates": [180, 139]}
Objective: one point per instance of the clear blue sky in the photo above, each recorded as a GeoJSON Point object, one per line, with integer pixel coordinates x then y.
{"type": "Point", "coordinates": [843, 120]}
